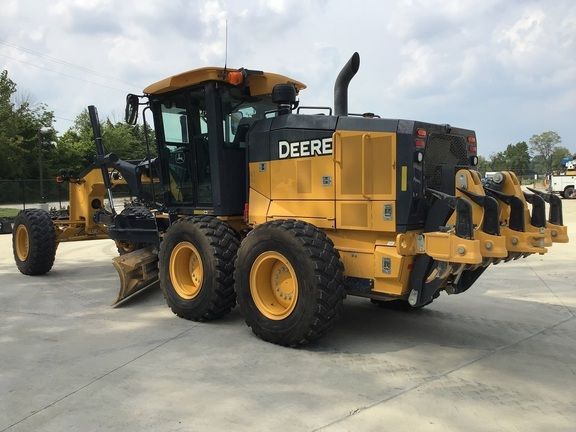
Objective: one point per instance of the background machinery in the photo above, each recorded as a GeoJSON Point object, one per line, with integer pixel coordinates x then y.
{"type": "Point", "coordinates": [563, 183]}
{"type": "Point", "coordinates": [37, 233]}
{"type": "Point", "coordinates": [285, 211]}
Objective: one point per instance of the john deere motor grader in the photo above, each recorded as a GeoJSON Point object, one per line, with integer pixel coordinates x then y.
{"type": "Point", "coordinates": [286, 211]}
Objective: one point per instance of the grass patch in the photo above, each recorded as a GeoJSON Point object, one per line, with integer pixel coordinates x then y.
{"type": "Point", "coordinates": [8, 212]}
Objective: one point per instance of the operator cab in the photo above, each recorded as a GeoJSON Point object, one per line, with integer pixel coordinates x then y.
{"type": "Point", "coordinates": [201, 119]}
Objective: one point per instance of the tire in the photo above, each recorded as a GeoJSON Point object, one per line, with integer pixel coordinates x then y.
{"type": "Point", "coordinates": [289, 282]}
{"type": "Point", "coordinates": [568, 192]}
{"type": "Point", "coordinates": [34, 242]}
{"type": "Point", "coordinates": [208, 246]}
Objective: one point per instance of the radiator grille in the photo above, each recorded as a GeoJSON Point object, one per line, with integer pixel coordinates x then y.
{"type": "Point", "coordinates": [443, 154]}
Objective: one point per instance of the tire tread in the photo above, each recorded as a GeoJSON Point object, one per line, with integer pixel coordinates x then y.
{"type": "Point", "coordinates": [328, 274]}
{"type": "Point", "coordinates": [224, 244]}
{"type": "Point", "coordinates": [42, 242]}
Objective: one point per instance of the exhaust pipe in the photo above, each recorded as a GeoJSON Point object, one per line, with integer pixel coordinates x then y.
{"type": "Point", "coordinates": [341, 84]}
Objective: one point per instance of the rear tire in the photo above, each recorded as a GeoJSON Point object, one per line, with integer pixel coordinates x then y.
{"type": "Point", "coordinates": [289, 282]}
{"type": "Point", "coordinates": [568, 192]}
{"type": "Point", "coordinates": [196, 263]}
{"type": "Point", "coordinates": [34, 242]}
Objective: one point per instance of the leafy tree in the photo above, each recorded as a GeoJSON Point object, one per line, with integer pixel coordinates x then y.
{"type": "Point", "coordinates": [517, 158]}
{"type": "Point", "coordinates": [21, 141]}
{"type": "Point", "coordinates": [498, 161]}
{"type": "Point", "coordinates": [76, 148]}
{"type": "Point", "coordinates": [543, 145]}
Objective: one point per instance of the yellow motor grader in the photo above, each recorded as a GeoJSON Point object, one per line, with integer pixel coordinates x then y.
{"type": "Point", "coordinates": [286, 209]}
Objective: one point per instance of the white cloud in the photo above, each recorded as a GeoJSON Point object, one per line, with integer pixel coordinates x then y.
{"type": "Point", "coordinates": [505, 68]}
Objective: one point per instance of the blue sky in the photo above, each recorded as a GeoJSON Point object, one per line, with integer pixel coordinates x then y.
{"type": "Point", "coordinates": [506, 69]}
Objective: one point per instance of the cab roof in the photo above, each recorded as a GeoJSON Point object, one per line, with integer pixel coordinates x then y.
{"type": "Point", "coordinates": [260, 83]}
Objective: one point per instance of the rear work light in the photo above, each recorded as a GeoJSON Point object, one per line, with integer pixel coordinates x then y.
{"type": "Point", "coordinates": [421, 132]}
{"type": "Point", "coordinates": [420, 144]}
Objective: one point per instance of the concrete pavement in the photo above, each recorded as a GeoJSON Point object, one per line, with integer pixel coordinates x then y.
{"type": "Point", "coordinates": [500, 357]}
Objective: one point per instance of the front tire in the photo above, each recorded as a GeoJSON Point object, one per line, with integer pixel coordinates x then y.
{"type": "Point", "coordinates": [196, 262]}
{"type": "Point", "coordinates": [34, 242]}
{"type": "Point", "coordinates": [289, 282]}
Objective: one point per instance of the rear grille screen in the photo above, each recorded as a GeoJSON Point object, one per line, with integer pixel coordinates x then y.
{"type": "Point", "coordinates": [443, 154]}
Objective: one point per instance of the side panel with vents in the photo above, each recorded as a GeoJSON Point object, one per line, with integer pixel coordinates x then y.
{"type": "Point", "coordinates": [365, 168]}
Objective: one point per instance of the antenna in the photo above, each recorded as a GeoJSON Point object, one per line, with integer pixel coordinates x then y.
{"type": "Point", "coordinates": [226, 48]}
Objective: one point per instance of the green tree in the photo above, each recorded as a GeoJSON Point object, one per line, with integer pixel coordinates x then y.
{"type": "Point", "coordinates": [543, 145]}
{"type": "Point", "coordinates": [76, 148]}
{"type": "Point", "coordinates": [21, 142]}
{"type": "Point", "coordinates": [517, 158]}
{"type": "Point", "coordinates": [497, 161]}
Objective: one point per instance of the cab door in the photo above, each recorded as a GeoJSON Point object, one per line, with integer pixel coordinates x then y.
{"type": "Point", "coordinates": [184, 148]}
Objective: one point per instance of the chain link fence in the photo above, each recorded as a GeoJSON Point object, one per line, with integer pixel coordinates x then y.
{"type": "Point", "coordinates": [48, 193]}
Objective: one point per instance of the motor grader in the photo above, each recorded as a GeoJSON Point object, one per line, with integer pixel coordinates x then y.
{"type": "Point", "coordinates": [286, 209]}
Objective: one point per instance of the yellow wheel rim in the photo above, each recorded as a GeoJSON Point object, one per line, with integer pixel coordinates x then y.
{"type": "Point", "coordinates": [22, 242]}
{"type": "Point", "coordinates": [273, 285]}
{"type": "Point", "coordinates": [186, 270]}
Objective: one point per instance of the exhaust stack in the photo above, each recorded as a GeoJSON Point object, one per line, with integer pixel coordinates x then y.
{"type": "Point", "coordinates": [341, 84]}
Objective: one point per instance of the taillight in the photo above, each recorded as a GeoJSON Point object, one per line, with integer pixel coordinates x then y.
{"type": "Point", "coordinates": [420, 144]}
{"type": "Point", "coordinates": [472, 148]}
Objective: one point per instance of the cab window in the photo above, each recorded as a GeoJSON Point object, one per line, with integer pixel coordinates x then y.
{"type": "Point", "coordinates": [238, 114]}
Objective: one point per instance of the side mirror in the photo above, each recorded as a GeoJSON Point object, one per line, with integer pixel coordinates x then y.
{"type": "Point", "coordinates": [131, 112]}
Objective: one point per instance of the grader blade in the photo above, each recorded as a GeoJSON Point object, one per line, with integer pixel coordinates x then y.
{"type": "Point", "coordinates": [138, 271]}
